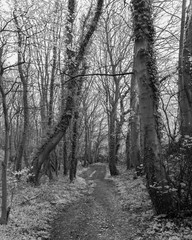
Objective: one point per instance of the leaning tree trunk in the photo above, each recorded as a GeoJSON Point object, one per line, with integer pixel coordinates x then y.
{"type": "Point", "coordinates": [62, 125]}
{"type": "Point", "coordinates": [185, 73]}
{"type": "Point", "coordinates": [146, 75]}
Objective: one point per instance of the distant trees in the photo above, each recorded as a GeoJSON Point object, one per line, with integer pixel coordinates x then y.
{"type": "Point", "coordinates": [113, 51]}
{"type": "Point", "coordinates": [75, 62]}
{"type": "Point", "coordinates": [24, 61]}
{"type": "Point", "coordinates": [4, 91]}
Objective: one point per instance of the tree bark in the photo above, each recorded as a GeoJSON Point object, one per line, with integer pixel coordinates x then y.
{"type": "Point", "coordinates": [24, 79]}
{"type": "Point", "coordinates": [134, 123]}
{"type": "Point", "coordinates": [65, 157]}
{"type": "Point", "coordinates": [4, 208]}
{"type": "Point", "coordinates": [146, 75]}
{"type": "Point", "coordinates": [112, 144]}
{"type": "Point", "coordinates": [185, 73]}
{"type": "Point", "coordinates": [73, 163]}
{"type": "Point", "coordinates": [54, 66]}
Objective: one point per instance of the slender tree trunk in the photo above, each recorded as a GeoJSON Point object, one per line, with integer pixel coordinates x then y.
{"type": "Point", "coordinates": [86, 139]}
{"type": "Point", "coordinates": [185, 74]}
{"type": "Point", "coordinates": [54, 65]}
{"type": "Point", "coordinates": [65, 157]}
{"type": "Point", "coordinates": [128, 160]}
{"type": "Point", "coordinates": [4, 209]}
{"type": "Point", "coordinates": [61, 127]}
{"type": "Point", "coordinates": [112, 145]}
{"type": "Point", "coordinates": [73, 163]}
{"type": "Point", "coordinates": [24, 138]}
{"type": "Point", "coordinates": [119, 124]}
{"type": "Point", "coordinates": [24, 80]}
{"type": "Point", "coordinates": [146, 75]}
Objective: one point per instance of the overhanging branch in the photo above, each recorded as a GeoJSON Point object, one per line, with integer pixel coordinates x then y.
{"type": "Point", "coordinates": [97, 74]}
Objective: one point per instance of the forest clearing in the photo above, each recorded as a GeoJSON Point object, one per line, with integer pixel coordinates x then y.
{"type": "Point", "coordinates": [96, 119]}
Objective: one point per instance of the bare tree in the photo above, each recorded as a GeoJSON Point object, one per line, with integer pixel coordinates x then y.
{"type": "Point", "coordinates": [24, 76]}
{"type": "Point", "coordinates": [114, 51]}
{"type": "Point", "coordinates": [65, 119]}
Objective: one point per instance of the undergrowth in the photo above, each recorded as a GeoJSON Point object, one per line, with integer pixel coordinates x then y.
{"type": "Point", "coordinates": [135, 199]}
{"type": "Point", "coordinates": [32, 209]}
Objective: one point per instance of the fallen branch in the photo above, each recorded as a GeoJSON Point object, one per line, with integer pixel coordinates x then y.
{"type": "Point", "coordinates": [29, 199]}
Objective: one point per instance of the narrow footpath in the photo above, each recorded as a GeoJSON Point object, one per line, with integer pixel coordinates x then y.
{"type": "Point", "coordinates": [97, 216]}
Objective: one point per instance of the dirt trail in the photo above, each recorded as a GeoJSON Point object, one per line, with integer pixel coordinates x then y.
{"type": "Point", "coordinates": [98, 216]}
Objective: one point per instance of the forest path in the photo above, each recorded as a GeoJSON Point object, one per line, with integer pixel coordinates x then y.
{"type": "Point", "coordinates": [97, 216]}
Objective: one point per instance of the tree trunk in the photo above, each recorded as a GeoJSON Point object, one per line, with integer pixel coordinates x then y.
{"type": "Point", "coordinates": [128, 160]}
{"type": "Point", "coordinates": [62, 125]}
{"type": "Point", "coordinates": [134, 122]}
{"type": "Point", "coordinates": [4, 209]}
{"type": "Point", "coordinates": [73, 163]}
{"type": "Point", "coordinates": [24, 138]}
{"type": "Point", "coordinates": [87, 130]}
{"type": "Point", "coordinates": [146, 75]}
{"type": "Point", "coordinates": [65, 157]}
{"type": "Point", "coordinates": [112, 145]}
{"type": "Point", "coordinates": [24, 79]}
{"type": "Point", "coordinates": [54, 66]}
{"type": "Point", "coordinates": [185, 73]}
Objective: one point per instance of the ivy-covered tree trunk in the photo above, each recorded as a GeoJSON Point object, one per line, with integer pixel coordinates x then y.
{"type": "Point", "coordinates": [62, 125]}
{"type": "Point", "coordinates": [185, 72]}
{"type": "Point", "coordinates": [73, 163]}
{"type": "Point", "coordinates": [145, 70]}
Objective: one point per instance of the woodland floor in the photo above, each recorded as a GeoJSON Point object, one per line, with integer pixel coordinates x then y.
{"type": "Point", "coordinates": [98, 215]}
{"type": "Point", "coordinates": [116, 209]}
{"type": "Point", "coordinates": [94, 207]}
